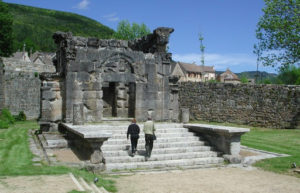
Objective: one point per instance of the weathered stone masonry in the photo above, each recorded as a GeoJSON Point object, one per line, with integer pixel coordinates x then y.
{"type": "Point", "coordinates": [20, 91]}
{"type": "Point", "coordinates": [20, 86]}
{"type": "Point", "coordinates": [111, 78]}
{"type": "Point", "coordinates": [275, 106]}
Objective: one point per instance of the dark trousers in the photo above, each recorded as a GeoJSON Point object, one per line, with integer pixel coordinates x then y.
{"type": "Point", "coordinates": [149, 144]}
{"type": "Point", "coordinates": [134, 142]}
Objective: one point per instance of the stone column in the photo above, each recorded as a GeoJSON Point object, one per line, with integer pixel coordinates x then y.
{"type": "Point", "coordinates": [122, 99]}
{"type": "Point", "coordinates": [185, 115]}
{"type": "Point", "coordinates": [78, 116]}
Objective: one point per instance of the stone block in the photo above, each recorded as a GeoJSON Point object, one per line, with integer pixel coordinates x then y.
{"type": "Point", "coordinates": [93, 42]}
{"type": "Point", "coordinates": [185, 115]}
{"type": "Point", "coordinates": [78, 115]}
{"type": "Point", "coordinates": [120, 104]}
{"type": "Point", "coordinates": [56, 110]}
{"type": "Point", "coordinates": [48, 95]}
{"type": "Point", "coordinates": [122, 94]}
{"type": "Point", "coordinates": [92, 55]}
{"type": "Point", "coordinates": [89, 95]}
{"type": "Point", "coordinates": [122, 112]}
{"type": "Point", "coordinates": [99, 94]}
{"type": "Point", "coordinates": [92, 104]}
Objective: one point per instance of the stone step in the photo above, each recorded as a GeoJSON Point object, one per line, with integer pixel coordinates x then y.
{"type": "Point", "coordinates": [164, 130]}
{"type": "Point", "coordinates": [157, 126]}
{"type": "Point", "coordinates": [165, 164]}
{"type": "Point", "coordinates": [158, 135]}
{"type": "Point", "coordinates": [107, 147]}
{"type": "Point", "coordinates": [158, 151]}
{"type": "Point", "coordinates": [160, 157]}
{"type": "Point", "coordinates": [159, 140]}
{"type": "Point", "coordinates": [53, 140]}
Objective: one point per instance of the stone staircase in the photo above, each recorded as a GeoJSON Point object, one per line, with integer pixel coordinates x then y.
{"type": "Point", "coordinates": [175, 148]}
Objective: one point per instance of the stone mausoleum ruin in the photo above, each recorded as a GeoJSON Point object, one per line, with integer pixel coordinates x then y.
{"type": "Point", "coordinates": [109, 78]}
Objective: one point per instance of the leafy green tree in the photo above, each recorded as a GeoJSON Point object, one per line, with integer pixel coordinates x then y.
{"type": "Point", "coordinates": [127, 31]}
{"type": "Point", "coordinates": [244, 79]}
{"type": "Point", "coordinates": [290, 76]}
{"type": "Point", "coordinates": [6, 30]}
{"type": "Point", "coordinates": [278, 33]}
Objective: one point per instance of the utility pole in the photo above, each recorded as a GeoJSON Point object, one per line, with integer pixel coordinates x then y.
{"type": "Point", "coordinates": [201, 48]}
{"type": "Point", "coordinates": [257, 52]}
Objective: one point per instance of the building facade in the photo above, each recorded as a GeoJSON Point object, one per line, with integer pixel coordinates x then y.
{"type": "Point", "coordinates": [110, 78]}
{"type": "Point", "coordinates": [194, 73]}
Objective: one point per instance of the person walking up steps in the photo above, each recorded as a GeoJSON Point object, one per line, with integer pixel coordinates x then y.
{"type": "Point", "coordinates": [134, 131]}
{"type": "Point", "coordinates": [149, 129]}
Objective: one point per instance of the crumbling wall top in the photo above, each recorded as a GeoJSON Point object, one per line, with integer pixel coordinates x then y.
{"type": "Point", "coordinates": [151, 43]}
{"type": "Point", "coordinates": [155, 42]}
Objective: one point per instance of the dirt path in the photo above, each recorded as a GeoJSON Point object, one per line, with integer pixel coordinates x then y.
{"type": "Point", "coordinates": [37, 184]}
{"type": "Point", "coordinates": [224, 180]}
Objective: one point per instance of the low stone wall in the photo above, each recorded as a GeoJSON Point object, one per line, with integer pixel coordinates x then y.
{"type": "Point", "coordinates": [276, 106]}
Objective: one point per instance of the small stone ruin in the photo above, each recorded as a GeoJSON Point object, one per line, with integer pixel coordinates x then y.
{"type": "Point", "coordinates": [102, 79]}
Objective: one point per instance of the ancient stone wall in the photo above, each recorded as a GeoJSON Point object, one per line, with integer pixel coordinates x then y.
{"type": "Point", "coordinates": [275, 106]}
{"type": "Point", "coordinates": [22, 93]}
{"type": "Point", "coordinates": [20, 86]}
{"type": "Point", "coordinates": [113, 78]}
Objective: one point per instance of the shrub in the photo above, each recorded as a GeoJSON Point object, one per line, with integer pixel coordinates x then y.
{"type": "Point", "coordinates": [4, 124]}
{"type": "Point", "coordinates": [21, 116]}
{"type": "Point", "coordinates": [244, 79]}
{"type": "Point", "coordinates": [7, 116]}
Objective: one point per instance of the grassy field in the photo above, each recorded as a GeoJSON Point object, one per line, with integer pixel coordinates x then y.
{"type": "Point", "coordinates": [15, 157]}
{"type": "Point", "coordinates": [274, 140]}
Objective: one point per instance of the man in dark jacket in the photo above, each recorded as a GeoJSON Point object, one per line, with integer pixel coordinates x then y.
{"type": "Point", "coordinates": [133, 131]}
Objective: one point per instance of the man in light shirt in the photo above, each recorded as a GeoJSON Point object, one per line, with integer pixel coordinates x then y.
{"type": "Point", "coordinates": [149, 130]}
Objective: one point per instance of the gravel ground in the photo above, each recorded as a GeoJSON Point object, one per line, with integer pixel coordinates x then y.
{"type": "Point", "coordinates": [214, 180]}
{"type": "Point", "coordinates": [222, 180]}
{"type": "Point", "coordinates": [37, 184]}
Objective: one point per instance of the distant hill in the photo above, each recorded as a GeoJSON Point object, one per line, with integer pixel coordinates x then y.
{"type": "Point", "coordinates": [252, 74]}
{"type": "Point", "coordinates": [35, 27]}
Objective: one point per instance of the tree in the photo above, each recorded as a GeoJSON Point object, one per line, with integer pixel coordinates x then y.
{"type": "Point", "coordinates": [125, 31]}
{"type": "Point", "coordinates": [244, 79]}
{"type": "Point", "coordinates": [290, 76]}
{"type": "Point", "coordinates": [278, 33]}
{"type": "Point", "coordinates": [6, 31]}
{"type": "Point", "coordinates": [202, 47]}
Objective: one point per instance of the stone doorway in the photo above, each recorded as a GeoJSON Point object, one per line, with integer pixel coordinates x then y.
{"type": "Point", "coordinates": [119, 99]}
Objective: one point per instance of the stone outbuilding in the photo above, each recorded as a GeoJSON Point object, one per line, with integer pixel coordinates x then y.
{"type": "Point", "coordinates": [228, 77]}
{"type": "Point", "coordinates": [194, 73]}
{"type": "Point", "coordinates": [110, 78]}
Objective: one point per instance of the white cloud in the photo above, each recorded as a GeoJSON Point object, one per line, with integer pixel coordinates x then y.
{"type": "Point", "coordinates": [83, 4]}
{"type": "Point", "coordinates": [111, 17]}
{"type": "Point", "coordinates": [220, 61]}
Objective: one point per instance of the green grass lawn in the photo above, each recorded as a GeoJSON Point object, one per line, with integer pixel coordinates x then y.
{"type": "Point", "coordinates": [279, 141]}
{"type": "Point", "coordinates": [286, 141]}
{"type": "Point", "coordinates": [15, 157]}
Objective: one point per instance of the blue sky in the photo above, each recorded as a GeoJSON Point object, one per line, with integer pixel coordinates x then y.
{"type": "Point", "coordinates": [228, 26]}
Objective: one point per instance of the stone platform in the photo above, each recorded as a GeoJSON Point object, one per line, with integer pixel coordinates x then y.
{"type": "Point", "coordinates": [225, 139]}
